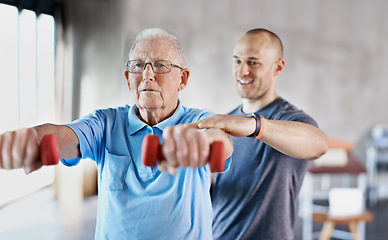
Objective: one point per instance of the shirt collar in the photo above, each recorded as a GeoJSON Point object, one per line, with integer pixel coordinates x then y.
{"type": "Point", "coordinates": [135, 124]}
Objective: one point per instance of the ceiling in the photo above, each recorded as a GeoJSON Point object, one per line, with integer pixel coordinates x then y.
{"type": "Point", "coordinates": [39, 6]}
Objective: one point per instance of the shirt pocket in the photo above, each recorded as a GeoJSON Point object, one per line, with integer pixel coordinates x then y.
{"type": "Point", "coordinates": [115, 171]}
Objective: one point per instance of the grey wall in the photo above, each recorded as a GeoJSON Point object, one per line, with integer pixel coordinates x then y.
{"type": "Point", "coordinates": [336, 53]}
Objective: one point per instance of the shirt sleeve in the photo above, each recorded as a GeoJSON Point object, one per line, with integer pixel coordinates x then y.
{"type": "Point", "coordinates": [89, 131]}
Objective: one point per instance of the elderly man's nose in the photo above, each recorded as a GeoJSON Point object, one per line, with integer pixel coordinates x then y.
{"type": "Point", "coordinates": [148, 72]}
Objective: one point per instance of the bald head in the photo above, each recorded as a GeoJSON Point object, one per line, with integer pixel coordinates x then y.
{"type": "Point", "coordinates": [271, 39]}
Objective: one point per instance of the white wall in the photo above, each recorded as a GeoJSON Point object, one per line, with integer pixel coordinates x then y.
{"type": "Point", "coordinates": [336, 53]}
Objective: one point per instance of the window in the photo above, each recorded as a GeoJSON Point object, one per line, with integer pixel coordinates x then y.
{"type": "Point", "coordinates": [27, 87]}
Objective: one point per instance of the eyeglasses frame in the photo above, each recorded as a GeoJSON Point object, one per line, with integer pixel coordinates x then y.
{"type": "Point", "coordinates": [150, 63]}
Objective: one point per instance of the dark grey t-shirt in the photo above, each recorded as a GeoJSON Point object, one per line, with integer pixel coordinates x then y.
{"type": "Point", "coordinates": [257, 197]}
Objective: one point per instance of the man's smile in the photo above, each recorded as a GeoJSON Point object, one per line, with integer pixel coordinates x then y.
{"type": "Point", "coordinates": [244, 82]}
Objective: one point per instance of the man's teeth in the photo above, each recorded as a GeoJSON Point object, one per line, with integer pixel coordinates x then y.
{"type": "Point", "coordinates": [244, 81]}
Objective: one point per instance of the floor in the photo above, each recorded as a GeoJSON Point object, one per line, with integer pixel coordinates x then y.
{"type": "Point", "coordinates": [40, 216]}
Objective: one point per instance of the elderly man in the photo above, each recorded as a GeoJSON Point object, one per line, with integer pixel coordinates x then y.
{"type": "Point", "coordinates": [136, 201]}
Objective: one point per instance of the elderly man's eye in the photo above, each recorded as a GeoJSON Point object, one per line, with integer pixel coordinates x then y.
{"type": "Point", "coordinates": [159, 65]}
{"type": "Point", "coordinates": [136, 64]}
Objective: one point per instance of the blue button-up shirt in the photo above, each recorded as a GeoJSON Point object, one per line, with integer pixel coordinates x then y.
{"type": "Point", "coordinates": [135, 201]}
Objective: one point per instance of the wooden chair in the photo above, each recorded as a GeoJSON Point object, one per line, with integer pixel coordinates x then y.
{"type": "Point", "coordinates": [329, 223]}
{"type": "Point", "coordinates": [352, 167]}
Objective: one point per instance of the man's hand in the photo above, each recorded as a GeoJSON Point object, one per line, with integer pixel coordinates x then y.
{"type": "Point", "coordinates": [184, 146]}
{"type": "Point", "coordinates": [238, 126]}
{"type": "Point", "coordinates": [20, 149]}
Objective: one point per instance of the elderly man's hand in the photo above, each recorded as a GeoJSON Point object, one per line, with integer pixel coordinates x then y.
{"type": "Point", "coordinates": [20, 149]}
{"type": "Point", "coordinates": [184, 146]}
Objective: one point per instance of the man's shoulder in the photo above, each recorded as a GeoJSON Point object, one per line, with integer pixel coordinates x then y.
{"type": "Point", "coordinates": [282, 109]}
{"type": "Point", "coordinates": [104, 114]}
{"type": "Point", "coordinates": [112, 111]}
{"type": "Point", "coordinates": [198, 111]}
{"type": "Point", "coordinates": [123, 108]}
{"type": "Point", "coordinates": [236, 111]}
{"type": "Point", "coordinates": [195, 114]}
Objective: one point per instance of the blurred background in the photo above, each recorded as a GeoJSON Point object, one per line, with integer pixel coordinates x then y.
{"type": "Point", "coordinates": [61, 59]}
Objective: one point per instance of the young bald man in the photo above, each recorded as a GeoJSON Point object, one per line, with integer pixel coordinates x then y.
{"type": "Point", "coordinates": [257, 197]}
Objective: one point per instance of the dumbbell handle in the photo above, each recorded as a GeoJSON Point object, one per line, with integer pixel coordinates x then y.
{"type": "Point", "coordinates": [48, 150]}
{"type": "Point", "coordinates": [151, 152]}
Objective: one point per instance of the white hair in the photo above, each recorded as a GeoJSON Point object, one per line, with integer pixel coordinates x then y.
{"type": "Point", "coordinates": [152, 33]}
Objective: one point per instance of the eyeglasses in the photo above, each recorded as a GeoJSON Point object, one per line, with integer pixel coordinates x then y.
{"type": "Point", "coordinates": [158, 66]}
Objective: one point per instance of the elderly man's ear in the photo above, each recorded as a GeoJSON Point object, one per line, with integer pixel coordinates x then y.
{"type": "Point", "coordinates": [126, 76]}
{"type": "Point", "coordinates": [185, 73]}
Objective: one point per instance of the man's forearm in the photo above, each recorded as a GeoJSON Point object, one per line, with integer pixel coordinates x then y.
{"type": "Point", "coordinates": [295, 139]}
{"type": "Point", "coordinates": [68, 143]}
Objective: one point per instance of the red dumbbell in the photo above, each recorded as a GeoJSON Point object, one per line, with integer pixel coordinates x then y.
{"type": "Point", "coordinates": [151, 152]}
{"type": "Point", "coordinates": [48, 150]}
